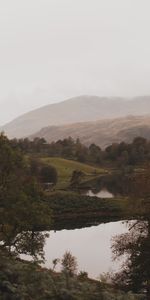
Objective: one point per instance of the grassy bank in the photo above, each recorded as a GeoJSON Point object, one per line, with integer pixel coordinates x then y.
{"type": "Point", "coordinates": [69, 205]}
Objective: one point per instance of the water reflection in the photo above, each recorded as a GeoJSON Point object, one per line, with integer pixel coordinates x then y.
{"type": "Point", "coordinates": [91, 246]}
{"type": "Point", "coordinates": [104, 193]}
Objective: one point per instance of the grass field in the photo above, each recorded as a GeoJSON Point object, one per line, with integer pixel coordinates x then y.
{"type": "Point", "coordinates": [65, 168]}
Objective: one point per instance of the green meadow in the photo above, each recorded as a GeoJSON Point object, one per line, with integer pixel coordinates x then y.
{"type": "Point", "coordinates": [66, 167]}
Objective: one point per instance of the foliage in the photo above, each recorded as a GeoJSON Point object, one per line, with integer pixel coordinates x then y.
{"type": "Point", "coordinates": [76, 178]}
{"type": "Point", "coordinates": [120, 154]}
{"type": "Point", "coordinates": [48, 174]}
{"type": "Point", "coordinates": [70, 205]}
{"type": "Point", "coordinates": [69, 264]}
{"type": "Point", "coordinates": [22, 209]}
{"type": "Point", "coordinates": [44, 173]}
{"type": "Point", "coordinates": [135, 246]}
{"type": "Point", "coordinates": [20, 280]}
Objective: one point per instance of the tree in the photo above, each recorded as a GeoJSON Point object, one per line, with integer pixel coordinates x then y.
{"type": "Point", "coordinates": [135, 246]}
{"type": "Point", "coordinates": [95, 153]}
{"type": "Point", "coordinates": [80, 151]}
{"type": "Point", "coordinates": [123, 160]}
{"type": "Point", "coordinates": [69, 267]}
{"type": "Point", "coordinates": [48, 174]}
{"type": "Point", "coordinates": [69, 264]}
{"type": "Point", "coordinates": [22, 208]}
{"type": "Point", "coordinates": [76, 178]}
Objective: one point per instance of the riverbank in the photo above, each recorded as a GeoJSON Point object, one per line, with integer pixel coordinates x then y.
{"type": "Point", "coordinates": [66, 205]}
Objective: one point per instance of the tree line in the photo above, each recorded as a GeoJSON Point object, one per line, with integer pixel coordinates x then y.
{"type": "Point", "coordinates": [120, 154]}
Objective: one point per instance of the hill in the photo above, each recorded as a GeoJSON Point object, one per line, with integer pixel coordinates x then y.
{"type": "Point", "coordinates": [102, 133]}
{"type": "Point", "coordinates": [66, 167]}
{"type": "Point", "coordinates": [74, 110]}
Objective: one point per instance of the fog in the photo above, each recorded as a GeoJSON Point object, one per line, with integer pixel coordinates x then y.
{"type": "Point", "coordinates": [51, 50]}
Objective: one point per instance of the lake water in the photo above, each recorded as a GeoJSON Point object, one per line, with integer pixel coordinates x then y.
{"type": "Point", "coordinates": [91, 246]}
{"type": "Point", "coordinates": [104, 193]}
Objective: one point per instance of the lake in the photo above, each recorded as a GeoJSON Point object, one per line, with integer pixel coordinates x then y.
{"type": "Point", "coordinates": [91, 246]}
{"type": "Point", "coordinates": [104, 193]}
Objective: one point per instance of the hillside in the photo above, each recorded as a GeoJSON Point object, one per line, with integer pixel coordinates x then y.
{"type": "Point", "coordinates": [102, 133]}
{"type": "Point", "coordinates": [66, 167]}
{"type": "Point", "coordinates": [78, 109]}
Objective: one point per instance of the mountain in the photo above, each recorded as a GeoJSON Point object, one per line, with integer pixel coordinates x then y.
{"type": "Point", "coordinates": [102, 133]}
{"type": "Point", "coordinates": [78, 109]}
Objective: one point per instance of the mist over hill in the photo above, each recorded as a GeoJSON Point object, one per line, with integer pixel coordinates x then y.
{"type": "Point", "coordinates": [102, 133]}
{"type": "Point", "coordinates": [75, 110]}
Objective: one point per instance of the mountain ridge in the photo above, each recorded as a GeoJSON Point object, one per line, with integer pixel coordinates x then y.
{"type": "Point", "coordinates": [74, 110]}
{"type": "Point", "coordinates": [102, 132]}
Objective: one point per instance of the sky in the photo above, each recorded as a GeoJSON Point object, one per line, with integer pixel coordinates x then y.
{"type": "Point", "coordinates": [51, 50]}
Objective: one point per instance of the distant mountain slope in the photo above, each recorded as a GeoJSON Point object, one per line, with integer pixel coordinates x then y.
{"type": "Point", "coordinates": [79, 109]}
{"type": "Point", "coordinates": [103, 132]}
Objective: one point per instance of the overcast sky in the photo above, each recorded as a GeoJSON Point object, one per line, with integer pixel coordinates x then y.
{"type": "Point", "coordinates": [51, 50]}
